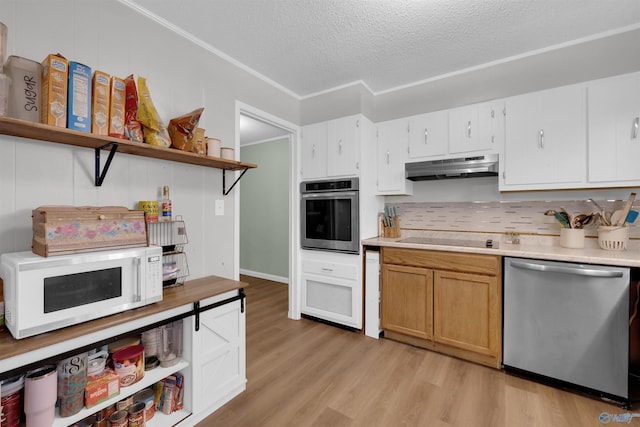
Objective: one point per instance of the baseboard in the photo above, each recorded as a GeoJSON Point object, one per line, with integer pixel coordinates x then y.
{"type": "Point", "coordinates": [265, 276]}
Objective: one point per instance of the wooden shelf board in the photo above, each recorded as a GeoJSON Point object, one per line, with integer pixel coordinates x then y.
{"type": "Point", "coordinates": [39, 131]}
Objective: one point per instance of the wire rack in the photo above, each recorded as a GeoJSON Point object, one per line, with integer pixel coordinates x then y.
{"type": "Point", "coordinates": [172, 236]}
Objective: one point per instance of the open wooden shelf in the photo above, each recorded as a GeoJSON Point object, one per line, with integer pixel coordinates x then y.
{"type": "Point", "coordinates": [26, 129]}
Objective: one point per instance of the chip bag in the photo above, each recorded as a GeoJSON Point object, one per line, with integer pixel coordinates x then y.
{"type": "Point", "coordinates": [155, 132]}
{"type": "Point", "coordinates": [132, 127]}
{"type": "Point", "coordinates": [181, 129]}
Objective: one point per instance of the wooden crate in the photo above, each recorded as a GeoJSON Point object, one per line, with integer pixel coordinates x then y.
{"type": "Point", "coordinates": [59, 230]}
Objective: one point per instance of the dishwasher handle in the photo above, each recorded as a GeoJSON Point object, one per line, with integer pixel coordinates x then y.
{"type": "Point", "coordinates": [578, 271]}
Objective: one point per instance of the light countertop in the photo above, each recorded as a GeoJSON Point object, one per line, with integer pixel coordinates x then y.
{"type": "Point", "coordinates": [530, 246]}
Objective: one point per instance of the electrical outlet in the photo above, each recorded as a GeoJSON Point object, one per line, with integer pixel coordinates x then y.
{"type": "Point", "coordinates": [219, 207]}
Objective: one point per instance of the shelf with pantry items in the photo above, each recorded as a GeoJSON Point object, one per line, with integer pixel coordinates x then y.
{"type": "Point", "coordinates": [43, 132]}
{"type": "Point", "coordinates": [172, 236]}
{"type": "Point", "coordinates": [150, 378]}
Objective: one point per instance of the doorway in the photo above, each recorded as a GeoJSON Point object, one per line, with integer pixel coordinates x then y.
{"type": "Point", "coordinates": [267, 197]}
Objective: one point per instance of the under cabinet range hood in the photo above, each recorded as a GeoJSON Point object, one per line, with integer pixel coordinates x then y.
{"type": "Point", "coordinates": [461, 167]}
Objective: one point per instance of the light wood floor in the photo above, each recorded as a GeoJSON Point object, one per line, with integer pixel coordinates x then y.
{"type": "Point", "coordinates": [305, 373]}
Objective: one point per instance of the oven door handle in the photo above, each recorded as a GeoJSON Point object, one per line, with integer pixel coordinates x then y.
{"type": "Point", "coordinates": [331, 195]}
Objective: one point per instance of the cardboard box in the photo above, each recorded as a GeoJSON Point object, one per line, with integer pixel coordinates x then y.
{"type": "Point", "coordinates": [101, 387]}
{"type": "Point", "coordinates": [101, 89]}
{"type": "Point", "coordinates": [55, 76]}
{"type": "Point", "coordinates": [79, 97]}
{"type": "Point", "coordinates": [116, 110]}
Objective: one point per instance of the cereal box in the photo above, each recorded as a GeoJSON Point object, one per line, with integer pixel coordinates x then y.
{"type": "Point", "coordinates": [79, 97]}
{"type": "Point", "coordinates": [55, 74]}
{"type": "Point", "coordinates": [116, 111]}
{"type": "Point", "coordinates": [100, 103]}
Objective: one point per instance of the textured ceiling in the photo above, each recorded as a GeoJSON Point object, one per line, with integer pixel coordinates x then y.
{"type": "Point", "coordinates": [309, 46]}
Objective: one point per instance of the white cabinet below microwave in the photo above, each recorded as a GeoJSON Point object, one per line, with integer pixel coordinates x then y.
{"type": "Point", "coordinates": [331, 287]}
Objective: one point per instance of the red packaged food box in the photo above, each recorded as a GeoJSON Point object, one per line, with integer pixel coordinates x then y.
{"type": "Point", "coordinates": [101, 387]}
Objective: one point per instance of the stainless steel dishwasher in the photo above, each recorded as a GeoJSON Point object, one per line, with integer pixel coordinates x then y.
{"type": "Point", "coordinates": [568, 322]}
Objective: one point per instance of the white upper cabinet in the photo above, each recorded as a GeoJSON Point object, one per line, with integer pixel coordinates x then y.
{"type": "Point", "coordinates": [393, 138]}
{"type": "Point", "coordinates": [314, 151]}
{"type": "Point", "coordinates": [491, 125]}
{"type": "Point", "coordinates": [429, 134]}
{"type": "Point", "coordinates": [477, 127]}
{"type": "Point", "coordinates": [613, 130]}
{"type": "Point", "coordinates": [331, 148]}
{"type": "Point", "coordinates": [545, 140]}
{"type": "Point", "coordinates": [342, 146]}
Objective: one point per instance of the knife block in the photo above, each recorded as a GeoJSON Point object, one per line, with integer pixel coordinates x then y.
{"type": "Point", "coordinates": [393, 231]}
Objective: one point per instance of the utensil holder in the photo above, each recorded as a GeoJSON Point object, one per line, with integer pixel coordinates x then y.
{"type": "Point", "coordinates": [572, 238]}
{"type": "Point", "coordinates": [613, 238]}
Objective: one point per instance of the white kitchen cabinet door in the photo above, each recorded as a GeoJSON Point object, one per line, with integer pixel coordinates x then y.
{"type": "Point", "coordinates": [392, 154]}
{"type": "Point", "coordinates": [545, 140]}
{"type": "Point", "coordinates": [314, 151]}
{"type": "Point", "coordinates": [491, 123]}
{"type": "Point", "coordinates": [343, 147]}
{"type": "Point", "coordinates": [429, 134]}
{"type": "Point", "coordinates": [463, 129]}
{"type": "Point", "coordinates": [613, 129]}
{"type": "Point", "coordinates": [219, 356]}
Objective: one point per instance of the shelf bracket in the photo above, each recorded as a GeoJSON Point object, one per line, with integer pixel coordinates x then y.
{"type": "Point", "coordinates": [101, 175]}
{"type": "Point", "coordinates": [224, 190]}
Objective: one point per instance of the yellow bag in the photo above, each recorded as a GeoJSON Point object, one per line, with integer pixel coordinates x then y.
{"type": "Point", "coordinates": [155, 132]}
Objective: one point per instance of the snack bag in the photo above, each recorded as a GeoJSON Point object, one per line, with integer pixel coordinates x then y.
{"type": "Point", "coordinates": [182, 128]}
{"type": "Point", "coordinates": [155, 132]}
{"type": "Point", "coordinates": [132, 127]}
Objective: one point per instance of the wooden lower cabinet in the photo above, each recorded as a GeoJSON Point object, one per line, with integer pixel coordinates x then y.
{"type": "Point", "coordinates": [407, 300]}
{"type": "Point", "coordinates": [444, 301]}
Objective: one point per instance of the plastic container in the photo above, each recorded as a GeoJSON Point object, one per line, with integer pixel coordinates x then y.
{"type": "Point", "coordinates": [170, 344]}
{"type": "Point", "coordinates": [227, 153]}
{"type": "Point", "coordinates": [129, 364]}
{"type": "Point", "coordinates": [572, 238]}
{"type": "Point", "coordinates": [11, 401]}
{"type": "Point", "coordinates": [612, 238]}
{"type": "Point", "coordinates": [213, 147]}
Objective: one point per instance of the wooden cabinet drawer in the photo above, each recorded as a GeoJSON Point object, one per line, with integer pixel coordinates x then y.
{"type": "Point", "coordinates": [452, 261]}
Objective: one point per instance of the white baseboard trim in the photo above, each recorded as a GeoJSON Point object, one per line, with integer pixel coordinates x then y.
{"type": "Point", "coordinates": [265, 276]}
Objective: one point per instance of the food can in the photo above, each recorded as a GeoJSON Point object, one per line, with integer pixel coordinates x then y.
{"type": "Point", "coordinates": [124, 404]}
{"type": "Point", "coordinates": [146, 396]}
{"type": "Point", "coordinates": [129, 364]}
{"type": "Point", "coordinates": [136, 415]}
{"type": "Point", "coordinates": [119, 419]}
{"type": "Point", "coordinates": [11, 401]}
{"type": "Point", "coordinates": [150, 208]}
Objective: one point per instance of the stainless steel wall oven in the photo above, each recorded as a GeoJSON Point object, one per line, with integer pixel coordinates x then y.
{"type": "Point", "coordinates": [329, 215]}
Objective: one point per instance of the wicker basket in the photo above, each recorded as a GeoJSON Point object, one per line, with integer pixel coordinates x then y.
{"type": "Point", "coordinates": [612, 238]}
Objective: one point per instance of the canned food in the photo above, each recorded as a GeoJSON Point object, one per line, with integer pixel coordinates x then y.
{"type": "Point", "coordinates": [124, 404]}
{"type": "Point", "coordinates": [136, 415]}
{"type": "Point", "coordinates": [150, 208]}
{"type": "Point", "coordinates": [146, 396]}
{"type": "Point", "coordinates": [119, 419]}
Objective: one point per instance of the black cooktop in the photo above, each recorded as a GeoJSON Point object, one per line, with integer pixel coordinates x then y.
{"type": "Point", "coordinates": [488, 243]}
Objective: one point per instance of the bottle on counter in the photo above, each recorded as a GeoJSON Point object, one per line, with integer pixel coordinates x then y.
{"type": "Point", "coordinates": [165, 205]}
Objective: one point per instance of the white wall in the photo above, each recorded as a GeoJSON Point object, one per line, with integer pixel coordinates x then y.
{"type": "Point", "coordinates": [109, 36]}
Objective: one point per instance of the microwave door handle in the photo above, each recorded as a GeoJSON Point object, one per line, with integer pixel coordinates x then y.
{"type": "Point", "coordinates": [138, 294]}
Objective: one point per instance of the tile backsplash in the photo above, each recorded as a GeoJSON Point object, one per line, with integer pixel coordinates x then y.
{"type": "Point", "coordinates": [525, 217]}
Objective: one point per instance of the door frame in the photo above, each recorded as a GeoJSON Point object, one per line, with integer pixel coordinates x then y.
{"type": "Point", "coordinates": [294, 214]}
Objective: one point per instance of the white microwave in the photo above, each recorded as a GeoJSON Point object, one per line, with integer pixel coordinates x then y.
{"type": "Point", "coordinates": [43, 294]}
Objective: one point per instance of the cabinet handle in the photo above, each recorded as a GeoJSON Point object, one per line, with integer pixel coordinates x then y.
{"type": "Point", "coordinates": [469, 129]}
{"type": "Point", "coordinates": [388, 157]}
{"type": "Point", "coordinates": [426, 134]}
{"type": "Point", "coordinates": [313, 151]}
{"type": "Point", "coordinates": [340, 147]}
{"type": "Point", "coordinates": [636, 124]}
{"type": "Point", "coordinates": [493, 114]}
{"type": "Point", "coordinates": [329, 270]}
{"type": "Point", "coordinates": [541, 138]}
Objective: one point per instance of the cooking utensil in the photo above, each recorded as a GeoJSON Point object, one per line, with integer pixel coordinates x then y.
{"type": "Point", "coordinates": [631, 216]}
{"type": "Point", "coordinates": [603, 213]}
{"type": "Point", "coordinates": [627, 208]}
{"type": "Point", "coordinates": [561, 217]}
